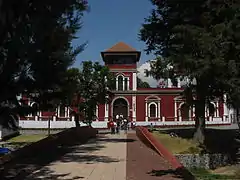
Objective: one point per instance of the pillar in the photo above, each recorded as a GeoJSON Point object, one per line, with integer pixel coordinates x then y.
{"type": "Point", "coordinates": [106, 112]}
{"type": "Point", "coordinates": [159, 111]}
{"type": "Point", "coordinates": [175, 110]}
{"type": "Point", "coordinates": [178, 83]}
{"type": "Point", "coordinates": [146, 111]}
{"type": "Point", "coordinates": [134, 104]}
{"type": "Point", "coordinates": [217, 109]}
{"type": "Point", "coordinates": [134, 81]}
{"type": "Point", "coordinates": [225, 108]}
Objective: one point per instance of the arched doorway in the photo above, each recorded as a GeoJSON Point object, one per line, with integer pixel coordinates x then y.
{"type": "Point", "coordinates": [120, 106]}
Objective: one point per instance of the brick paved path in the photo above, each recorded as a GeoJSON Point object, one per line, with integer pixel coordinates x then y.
{"type": "Point", "coordinates": [110, 157]}
{"type": "Point", "coordinates": [145, 164]}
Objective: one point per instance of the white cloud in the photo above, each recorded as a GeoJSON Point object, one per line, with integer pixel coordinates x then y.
{"type": "Point", "coordinates": [141, 74]}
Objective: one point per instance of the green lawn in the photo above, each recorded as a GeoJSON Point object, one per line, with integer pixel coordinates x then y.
{"type": "Point", "coordinates": [23, 140]}
{"type": "Point", "coordinates": [217, 141]}
{"type": "Point", "coordinates": [203, 174]}
{"type": "Point", "coordinates": [177, 145]}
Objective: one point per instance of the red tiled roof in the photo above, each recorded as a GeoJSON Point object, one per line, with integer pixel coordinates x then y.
{"type": "Point", "coordinates": [121, 47]}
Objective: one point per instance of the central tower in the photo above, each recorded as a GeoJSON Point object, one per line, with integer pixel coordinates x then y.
{"type": "Point", "coordinates": [122, 60]}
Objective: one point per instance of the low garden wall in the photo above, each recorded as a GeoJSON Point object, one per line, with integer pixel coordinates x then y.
{"type": "Point", "coordinates": [206, 161]}
{"type": "Point", "coordinates": [147, 138]}
{"type": "Point", "coordinates": [67, 137]}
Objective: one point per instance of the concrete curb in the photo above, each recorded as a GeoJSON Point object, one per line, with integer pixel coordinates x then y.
{"type": "Point", "coordinates": [149, 140]}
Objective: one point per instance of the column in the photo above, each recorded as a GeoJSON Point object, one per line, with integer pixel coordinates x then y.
{"type": "Point", "coordinates": [225, 108]}
{"type": "Point", "coordinates": [193, 109]}
{"type": "Point", "coordinates": [58, 111]}
{"type": "Point", "coordinates": [178, 83]}
{"type": "Point", "coordinates": [206, 112]}
{"type": "Point", "coordinates": [68, 112]}
{"type": "Point", "coordinates": [116, 83]}
{"type": "Point", "coordinates": [128, 84]}
{"type": "Point", "coordinates": [134, 108]}
{"type": "Point", "coordinates": [175, 110]}
{"type": "Point", "coordinates": [65, 112]}
{"type": "Point", "coordinates": [217, 109]}
{"type": "Point", "coordinates": [169, 83]}
{"type": "Point", "coordinates": [106, 112]}
{"type": "Point", "coordinates": [146, 111]}
{"type": "Point", "coordinates": [40, 115]}
{"type": "Point", "coordinates": [134, 81]}
{"type": "Point", "coordinates": [97, 113]}
{"type": "Point", "coordinates": [159, 111]}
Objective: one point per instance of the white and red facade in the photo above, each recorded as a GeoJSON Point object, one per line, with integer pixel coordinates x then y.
{"type": "Point", "coordinates": [160, 106]}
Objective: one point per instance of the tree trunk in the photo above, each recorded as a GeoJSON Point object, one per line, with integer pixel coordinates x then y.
{"type": "Point", "coordinates": [199, 135]}
{"type": "Point", "coordinates": [237, 138]}
{"type": "Point", "coordinates": [77, 120]}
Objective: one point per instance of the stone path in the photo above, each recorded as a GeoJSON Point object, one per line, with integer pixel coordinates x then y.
{"type": "Point", "coordinates": [109, 157]}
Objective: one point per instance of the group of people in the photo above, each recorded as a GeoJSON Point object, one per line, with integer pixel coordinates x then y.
{"type": "Point", "coordinates": [119, 123]}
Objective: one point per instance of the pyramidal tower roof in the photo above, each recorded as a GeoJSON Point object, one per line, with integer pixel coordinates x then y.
{"type": "Point", "coordinates": [121, 47]}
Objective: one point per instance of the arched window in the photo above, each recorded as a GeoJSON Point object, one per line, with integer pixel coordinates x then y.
{"type": "Point", "coordinates": [184, 111]}
{"type": "Point", "coordinates": [125, 84]}
{"type": "Point", "coordinates": [35, 109]}
{"type": "Point", "coordinates": [153, 110]}
{"type": "Point", "coordinates": [120, 83]}
{"type": "Point", "coordinates": [62, 111]}
{"type": "Point", "coordinates": [211, 109]}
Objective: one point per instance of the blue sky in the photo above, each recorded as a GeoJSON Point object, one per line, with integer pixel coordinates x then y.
{"type": "Point", "coordinates": [111, 21]}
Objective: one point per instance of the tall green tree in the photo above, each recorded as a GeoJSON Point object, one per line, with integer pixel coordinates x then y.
{"type": "Point", "coordinates": [96, 82]}
{"type": "Point", "coordinates": [85, 88]}
{"type": "Point", "coordinates": [197, 40]}
{"type": "Point", "coordinates": [35, 48]}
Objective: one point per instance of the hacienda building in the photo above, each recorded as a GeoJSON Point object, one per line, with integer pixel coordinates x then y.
{"type": "Point", "coordinates": [162, 106]}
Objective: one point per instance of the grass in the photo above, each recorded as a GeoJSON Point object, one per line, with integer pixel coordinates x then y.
{"type": "Point", "coordinates": [203, 174]}
{"type": "Point", "coordinates": [216, 141]}
{"type": "Point", "coordinates": [23, 140]}
{"type": "Point", "coordinates": [177, 145]}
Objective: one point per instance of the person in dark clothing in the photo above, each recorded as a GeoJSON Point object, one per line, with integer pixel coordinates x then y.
{"type": "Point", "coordinates": [118, 126]}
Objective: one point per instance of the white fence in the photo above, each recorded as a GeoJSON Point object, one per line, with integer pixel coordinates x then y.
{"type": "Point", "coordinates": [32, 124]}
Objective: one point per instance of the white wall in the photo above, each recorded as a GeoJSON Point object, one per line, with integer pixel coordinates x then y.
{"type": "Point", "coordinates": [30, 124]}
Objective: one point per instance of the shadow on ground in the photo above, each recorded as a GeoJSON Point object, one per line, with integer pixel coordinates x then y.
{"type": "Point", "coordinates": [180, 173]}
{"type": "Point", "coordinates": [120, 140]}
{"type": "Point", "coordinates": [35, 166]}
{"type": "Point", "coordinates": [216, 140]}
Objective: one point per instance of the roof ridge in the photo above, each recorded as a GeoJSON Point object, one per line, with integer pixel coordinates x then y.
{"type": "Point", "coordinates": [121, 47]}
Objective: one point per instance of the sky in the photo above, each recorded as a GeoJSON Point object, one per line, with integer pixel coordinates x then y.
{"type": "Point", "coordinates": [109, 22]}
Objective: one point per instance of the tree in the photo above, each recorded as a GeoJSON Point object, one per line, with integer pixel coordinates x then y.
{"type": "Point", "coordinates": [196, 40]}
{"type": "Point", "coordinates": [142, 84]}
{"type": "Point", "coordinates": [95, 84]}
{"type": "Point", "coordinates": [87, 87]}
{"type": "Point", "coordinates": [35, 49]}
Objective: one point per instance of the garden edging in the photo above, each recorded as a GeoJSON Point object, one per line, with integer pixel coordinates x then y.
{"type": "Point", "coordinates": [147, 138]}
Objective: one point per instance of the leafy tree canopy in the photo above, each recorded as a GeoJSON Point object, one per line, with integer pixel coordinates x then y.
{"type": "Point", "coordinates": [87, 87]}
{"type": "Point", "coordinates": [198, 40]}
{"type": "Point", "coordinates": [35, 47]}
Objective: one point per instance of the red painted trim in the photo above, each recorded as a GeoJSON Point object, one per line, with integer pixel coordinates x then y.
{"type": "Point", "coordinates": [159, 148]}
{"type": "Point", "coordinates": [147, 138]}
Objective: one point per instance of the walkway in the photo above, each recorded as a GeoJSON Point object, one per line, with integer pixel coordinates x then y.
{"type": "Point", "coordinates": [109, 157]}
